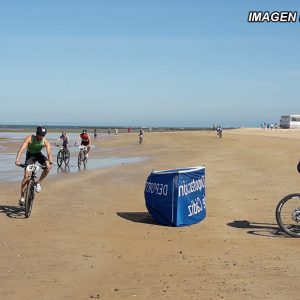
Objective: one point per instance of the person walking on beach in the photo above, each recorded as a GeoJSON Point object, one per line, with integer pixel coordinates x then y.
{"type": "Point", "coordinates": [219, 131]}
{"type": "Point", "coordinates": [65, 140]}
{"type": "Point", "coordinates": [85, 140]}
{"type": "Point", "coordinates": [95, 133]}
{"type": "Point", "coordinates": [141, 135]}
{"type": "Point", "coordinates": [34, 145]}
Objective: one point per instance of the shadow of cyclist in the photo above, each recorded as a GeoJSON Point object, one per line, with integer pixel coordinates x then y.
{"type": "Point", "coordinates": [262, 229]}
{"type": "Point", "coordinates": [12, 211]}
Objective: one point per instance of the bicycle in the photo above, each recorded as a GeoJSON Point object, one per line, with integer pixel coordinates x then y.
{"type": "Point", "coordinates": [30, 190]}
{"type": "Point", "coordinates": [63, 155]}
{"type": "Point", "coordinates": [288, 214]}
{"type": "Point", "coordinates": [82, 156]}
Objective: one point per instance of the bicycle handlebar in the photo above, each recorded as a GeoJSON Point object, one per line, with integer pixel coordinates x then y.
{"type": "Point", "coordinates": [26, 165]}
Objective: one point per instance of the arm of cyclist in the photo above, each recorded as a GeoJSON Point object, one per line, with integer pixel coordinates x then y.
{"type": "Point", "coordinates": [90, 141]}
{"type": "Point", "coordinates": [57, 141]}
{"type": "Point", "coordinates": [22, 148]}
{"type": "Point", "coordinates": [49, 154]}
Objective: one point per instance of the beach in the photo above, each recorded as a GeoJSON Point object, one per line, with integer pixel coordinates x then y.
{"type": "Point", "coordinates": [90, 235]}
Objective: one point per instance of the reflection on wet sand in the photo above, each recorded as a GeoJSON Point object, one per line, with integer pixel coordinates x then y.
{"type": "Point", "coordinates": [63, 169]}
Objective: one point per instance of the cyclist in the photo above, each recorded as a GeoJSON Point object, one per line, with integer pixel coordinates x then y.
{"type": "Point", "coordinates": [85, 140]}
{"type": "Point", "coordinates": [65, 140]}
{"type": "Point", "coordinates": [35, 144]}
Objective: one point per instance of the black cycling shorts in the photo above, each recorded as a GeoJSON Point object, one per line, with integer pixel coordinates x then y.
{"type": "Point", "coordinates": [33, 158]}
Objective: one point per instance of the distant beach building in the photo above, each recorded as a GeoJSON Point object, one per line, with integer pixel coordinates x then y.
{"type": "Point", "coordinates": [290, 121]}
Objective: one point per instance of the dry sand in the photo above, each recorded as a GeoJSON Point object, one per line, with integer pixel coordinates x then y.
{"type": "Point", "coordinates": [90, 236]}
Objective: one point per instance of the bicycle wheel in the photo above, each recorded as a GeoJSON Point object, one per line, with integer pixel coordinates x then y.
{"type": "Point", "coordinates": [60, 158]}
{"type": "Point", "coordinates": [66, 157]}
{"type": "Point", "coordinates": [85, 161]}
{"type": "Point", "coordinates": [29, 198]}
{"type": "Point", "coordinates": [79, 159]}
{"type": "Point", "coordinates": [288, 214]}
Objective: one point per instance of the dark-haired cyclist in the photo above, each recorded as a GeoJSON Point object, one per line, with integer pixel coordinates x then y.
{"type": "Point", "coordinates": [34, 145]}
{"type": "Point", "coordinates": [65, 140]}
{"type": "Point", "coordinates": [85, 140]}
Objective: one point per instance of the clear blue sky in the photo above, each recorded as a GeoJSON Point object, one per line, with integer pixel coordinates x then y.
{"type": "Point", "coordinates": [146, 63]}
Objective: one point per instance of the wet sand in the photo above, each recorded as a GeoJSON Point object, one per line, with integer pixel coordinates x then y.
{"type": "Point", "coordinates": [90, 235]}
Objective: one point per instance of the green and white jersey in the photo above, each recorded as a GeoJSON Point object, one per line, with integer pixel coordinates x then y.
{"type": "Point", "coordinates": [36, 146]}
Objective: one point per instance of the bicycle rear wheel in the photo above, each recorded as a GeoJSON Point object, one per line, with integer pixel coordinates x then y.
{"type": "Point", "coordinates": [66, 157]}
{"type": "Point", "coordinates": [288, 214]}
{"type": "Point", "coordinates": [60, 158]}
{"type": "Point", "coordinates": [29, 198]}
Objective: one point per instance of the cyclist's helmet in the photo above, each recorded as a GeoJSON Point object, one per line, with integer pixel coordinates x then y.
{"type": "Point", "coordinates": [41, 130]}
{"type": "Point", "coordinates": [84, 131]}
{"type": "Point", "coordinates": [298, 166]}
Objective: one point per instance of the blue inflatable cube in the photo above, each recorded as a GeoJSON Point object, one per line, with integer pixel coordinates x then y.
{"type": "Point", "coordinates": [176, 197]}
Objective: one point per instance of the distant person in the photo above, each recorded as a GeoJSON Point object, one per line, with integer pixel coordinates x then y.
{"type": "Point", "coordinates": [219, 130]}
{"type": "Point", "coordinates": [129, 130]}
{"type": "Point", "coordinates": [108, 131]}
{"type": "Point", "coordinates": [95, 133]}
{"type": "Point", "coordinates": [85, 140]}
{"type": "Point", "coordinates": [116, 131]}
{"type": "Point", "coordinates": [276, 125]}
{"type": "Point", "coordinates": [65, 140]}
{"type": "Point", "coordinates": [141, 135]}
{"type": "Point", "coordinates": [34, 145]}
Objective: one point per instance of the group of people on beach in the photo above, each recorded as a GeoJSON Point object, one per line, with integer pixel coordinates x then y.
{"type": "Point", "coordinates": [33, 144]}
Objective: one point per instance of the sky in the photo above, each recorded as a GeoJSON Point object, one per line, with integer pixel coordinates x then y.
{"type": "Point", "coordinates": [147, 63]}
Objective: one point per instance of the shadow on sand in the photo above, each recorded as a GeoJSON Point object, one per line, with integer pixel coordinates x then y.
{"type": "Point", "coordinates": [262, 229]}
{"type": "Point", "coordinates": [139, 217]}
{"type": "Point", "coordinates": [12, 211]}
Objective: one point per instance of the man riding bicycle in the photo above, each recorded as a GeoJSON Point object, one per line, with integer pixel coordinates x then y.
{"type": "Point", "coordinates": [35, 144]}
{"type": "Point", "coordinates": [85, 140]}
{"type": "Point", "coordinates": [65, 140]}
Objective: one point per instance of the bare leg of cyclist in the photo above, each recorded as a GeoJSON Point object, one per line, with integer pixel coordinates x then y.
{"type": "Point", "coordinates": [43, 175]}
{"type": "Point", "coordinates": [88, 150]}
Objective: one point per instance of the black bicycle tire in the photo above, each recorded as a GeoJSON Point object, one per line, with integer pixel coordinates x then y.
{"type": "Point", "coordinates": [278, 214]}
{"type": "Point", "coordinates": [67, 158]}
{"type": "Point", "coordinates": [79, 159]}
{"type": "Point", "coordinates": [60, 158]}
{"type": "Point", "coordinates": [84, 161]}
{"type": "Point", "coordinates": [29, 198]}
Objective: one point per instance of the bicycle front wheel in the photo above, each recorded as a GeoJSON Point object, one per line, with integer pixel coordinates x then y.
{"type": "Point", "coordinates": [85, 162]}
{"type": "Point", "coordinates": [288, 214]}
{"type": "Point", "coordinates": [66, 157]}
{"type": "Point", "coordinates": [29, 198]}
{"type": "Point", "coordinates": [60, 158]}
{"type": "Point", "coordinates": [79, 159]}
